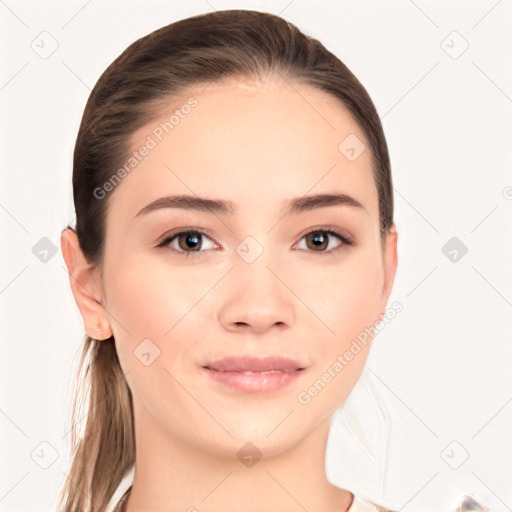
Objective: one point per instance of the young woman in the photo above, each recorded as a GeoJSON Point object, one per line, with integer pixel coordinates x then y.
{"type": "Point", "coordinates": [234, 235]}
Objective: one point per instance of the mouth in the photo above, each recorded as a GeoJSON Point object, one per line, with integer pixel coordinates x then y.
{"type": "Point", "coordinates": [254, 375]}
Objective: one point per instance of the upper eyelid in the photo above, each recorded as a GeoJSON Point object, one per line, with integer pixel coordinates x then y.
{"type": "Point", "coordinates": [179, 231]}
{"type": "Point", "coordinates": [331, 229]}
{"type": "Point", "coordinates": [342, 235]}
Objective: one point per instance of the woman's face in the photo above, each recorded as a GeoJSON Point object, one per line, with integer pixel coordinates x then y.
{"type": "Point", "coordinates": [255, 281]}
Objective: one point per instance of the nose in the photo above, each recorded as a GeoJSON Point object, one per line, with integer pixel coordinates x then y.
{"type": "Point", "coordinates": [255, 298]}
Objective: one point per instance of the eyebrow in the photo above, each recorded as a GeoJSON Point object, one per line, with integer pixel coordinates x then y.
{"type": "Point", "coordinates": [220, 206]}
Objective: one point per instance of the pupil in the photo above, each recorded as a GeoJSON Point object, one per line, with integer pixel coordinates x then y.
{"type": "Point", "coordinates": [194, 240]}
{"type": "Point", "coordinates": [318, 239]}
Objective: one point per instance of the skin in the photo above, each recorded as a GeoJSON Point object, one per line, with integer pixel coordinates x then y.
{"type": "Point", "coordinates": [256, 145]}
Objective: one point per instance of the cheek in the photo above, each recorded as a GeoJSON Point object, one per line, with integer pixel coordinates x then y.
{"type": "Point", "coordinates": [146, 300]}
{"type": "Point", "coordinates": [356, 302]}
{"type": "Point", "coordinates": [151, 302]}
{"type": "Point", "coordinates": [347, 304]}
{"type": "Point", "coordinates": [343, 296]}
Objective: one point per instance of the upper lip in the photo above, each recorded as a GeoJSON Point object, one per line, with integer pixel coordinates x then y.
{"type": "Point", "coordinates": [254, 364]}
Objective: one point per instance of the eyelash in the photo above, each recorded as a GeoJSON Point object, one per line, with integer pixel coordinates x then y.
{"type": "Point", "coordinates": [346, 241]}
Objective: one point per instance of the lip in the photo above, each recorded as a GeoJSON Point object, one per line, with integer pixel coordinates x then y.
{"type": "Point", "coordinates": [254, 364]}
{"type": "Point", "coordinates": [254, 374]}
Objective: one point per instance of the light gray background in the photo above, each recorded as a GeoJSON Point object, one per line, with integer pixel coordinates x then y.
{"type": "Point", "coordinates": [441, 368]}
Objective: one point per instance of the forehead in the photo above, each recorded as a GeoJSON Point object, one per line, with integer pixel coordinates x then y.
{"type": "Point", "coordinates": [248, 143]}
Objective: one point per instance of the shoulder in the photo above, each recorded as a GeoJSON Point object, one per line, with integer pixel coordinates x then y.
{"type": "Point", "coordinates": [360, 504]}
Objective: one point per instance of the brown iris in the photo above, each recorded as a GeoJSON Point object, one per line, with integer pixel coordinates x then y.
{"type": "Point", "coordinates": [190, 238]}
{"type": "Point", "coordinates": [319, 239]}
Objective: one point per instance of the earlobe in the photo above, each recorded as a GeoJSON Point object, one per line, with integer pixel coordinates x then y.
{"type": "Point", "coordinates": [86, 287]}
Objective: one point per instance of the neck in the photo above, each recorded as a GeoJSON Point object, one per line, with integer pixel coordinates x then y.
{"type": "Point", "coordinates": [173, 475]}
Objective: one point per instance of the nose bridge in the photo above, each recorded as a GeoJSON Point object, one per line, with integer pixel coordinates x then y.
{"type": "Point", "coordinates": [255, 296]}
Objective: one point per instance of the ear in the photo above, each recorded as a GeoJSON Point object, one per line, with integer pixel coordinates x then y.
{"type": "Point", "coordinates": [390, 262]}
{"type": "Point", "coordinates": [85, 282]}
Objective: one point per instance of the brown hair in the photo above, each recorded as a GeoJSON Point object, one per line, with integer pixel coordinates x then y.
{"type": "Point", "coordinates": [129, 94]}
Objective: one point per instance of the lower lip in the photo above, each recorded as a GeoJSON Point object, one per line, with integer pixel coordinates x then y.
{"type": "Point", "coordinates": [257, 382]}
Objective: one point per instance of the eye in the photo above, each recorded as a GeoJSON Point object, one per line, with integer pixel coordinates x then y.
{"type": "Point", "coordinates": [190, 241]}
{"type": "Point", "coordinates": [186, 241]}
{"type": "Point", "coordinates": [318, 238]}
